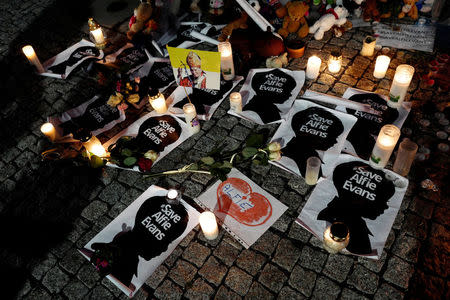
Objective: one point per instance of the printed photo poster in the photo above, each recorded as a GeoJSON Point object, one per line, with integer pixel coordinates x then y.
{"type": "Point", "coordinates": [138, 240]}
{"type": "Point", "coordinates": [94, 116]}
{"type": "Point", "coordinates": [243, 208]}
{"type": "Point", "coordinates": [268, 94]}
{"type": "Point", "coordinates": [61, 65]}
{"type": "Point", "coordinates": [362, 137]}
{"type": "Point", "coordinates": [195, 68]}
{"type": "Point", "coordinates": [206, 101]}
{"type": "Point", "coordinates": [311, 130]}
{"type": "Point", "coordinates": [126, 59]}
{"type": "Point", "coordinates": [365, 199]}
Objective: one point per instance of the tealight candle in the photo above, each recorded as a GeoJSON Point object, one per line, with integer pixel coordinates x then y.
{"type": "Point", "coordinates": [94, 146]}
{"type": "Point", "coordinates": [97, 34]}
{"type": "Point", "coordinates": [313, 67]}
{"type": "Point", "coordinates": [336, 237]}
{"type": "Point", "coordinates": [158, 102]}
{"type": "Point", "coordinates": [402, 79]}
{"type": "Point", "coordinates": [226, 60]}
{"type": "Point", "coordinates": [334, 62]}
{"type": "Point", "coordinates": [190, 114]}
{"type": "Point", "coordinates": [173, 196]}
{"type": "Point", "coordinates": [236, 102]}
{"type": "Point", "coordinates": [312, 170]}
{"type": "Point", "coordinates": [381, 66]}
{"type": "Point", "coordinates": [386, 141]}
{"type": "Point", "coordinates": [208, 224]}
{"type": "Point", "coordinates": [49, 130]}
{"type": "Point", "coordinates": [368, 46]}
{"type": "Point", "coordinates": [32, 57]}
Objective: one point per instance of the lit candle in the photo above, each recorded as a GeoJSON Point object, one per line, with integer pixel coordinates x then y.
{"type": "Point", "coordinates": [313, 67]}
{"type": "Point", "coordinates": [226, 60]}
{"type": "Point", "coordinates": [336, 237]}
{"type": "Point", "coordinates": [190, 114]}
{"type": "Point", "coordinates": [368, 46]}
{"type": "Point", "coordinates": [173, 197]}
{"type": "Point", "coordinates": [386, 141]}
{"type": "Point", "coordinates": [312, 170]}
{"type": "Point", "coordinates": [158, 102]}
{"type": "Point", "coordinates": [402, 79]}
{"type": "Point", "coordinates": [335, 61]}
{"type": "Point", "coordinates": [49, 130]}
{"type": "Point", "coordinates": [32, 57]}
{"type": "Point", "coordinates": [236, 102]}
{"type": "Point", "coordinates": [209, 225]}
{"type": "Point", "coordinates": [381, 66]}
{"type": "Point", "coordinates": [97, 34]}
{"type": "Point", "coordinates": [94, 146]}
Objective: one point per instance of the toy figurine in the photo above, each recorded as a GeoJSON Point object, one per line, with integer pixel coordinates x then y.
{"type": "Point", "coordinates": [370, 11]}
{"type": "Point", "coordinates": [216, 7]}
{"type": "Point", "coordinates": [293, 14]}
{"type": "Point", "coordinates": [141, 20]}
{"type": "Point", "coordinates": [353, 7]}
{"type": "Point", "coordinates": [409, 9]}
{"type": "Point", "coordinates": [336, 16]}
{"type": "Point", "coordinates": [280, 61]}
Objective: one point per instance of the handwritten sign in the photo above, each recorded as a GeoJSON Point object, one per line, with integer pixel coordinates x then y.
{"type": "Point", "coordinates": [408, 37]}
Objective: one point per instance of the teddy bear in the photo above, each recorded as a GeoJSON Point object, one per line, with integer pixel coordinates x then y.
{"type": "Point", "coordinates": [216, 7]}
{"type": "Point", "coordinates": [141, 20]}
{"type": "Point", "coordinates": [370, 11]}
{"type": "Point", "coordinates": [293, 14]}
{"type": "Point", "coordinates": [280, 61]}
{"type": "Point", "coordinates": [409, 9]}
{"type": "Point", "coordinates": [353, 6]}
{"type": "Point", "coordinates": [337, 16]}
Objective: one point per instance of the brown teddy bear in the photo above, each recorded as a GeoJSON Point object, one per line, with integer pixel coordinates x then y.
{"type": "Point", "coordinates": [141, 21]}
{"type": "Point", "coordinates": [294, 19]}
{"type": "Point", "coordinates": [236, 24]}
{"type": "Point", "coordinates": [409, 9]}
{"type": "Point", "coordinates": [370, 11]}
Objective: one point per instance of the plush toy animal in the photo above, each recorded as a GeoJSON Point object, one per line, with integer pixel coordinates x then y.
{"type": "Point", "coordinates": [336, 16]}
{"type": "Point", "coordinates": [277, 61]}
{"type": "Point", "coordinates": [370, 11]}
{"type": "Point", "coordinates": [141, 21]}
{"type": "Point", "coordinates": [216, 7]}
{"type": "Point", "coordinates": [409, 9]}
{"type": "Point", "coordinates": [427, 5]}
{"type": "Point", "coordinates": [353, 7]}
{"type": "Point", "coordinates": [293, 14]}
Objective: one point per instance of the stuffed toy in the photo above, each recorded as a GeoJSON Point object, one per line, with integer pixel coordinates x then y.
{"type": "Point", "coordinates": [236, 24]}
{"type": "Point", "coordinates": [353, 7]}
{"type": "Point", "coordinates": [370, 11]}
{"type": "Point", "coordinates": [293, 14]}
{"type": "Point", "coordinates": [388, 7]}
{"type": "Point", "coordinates": [314, 11]}
{"type": "Point", "coordinates": [216, 7]}
{"type": "Point", "coordinates": [340, 30]}
{"type": "Point", "coordinates": [194, 7]}
{"type": "Point", "coordinates": [427, 5]}
{"type": "Point", "coordinates": [409, 9]}
{"type": "Point", "coordinates": [141, 21]}
{"type": "Point", "coordinates": [277, 61]}
{"type": "Point", "coordinates": [337, 16]}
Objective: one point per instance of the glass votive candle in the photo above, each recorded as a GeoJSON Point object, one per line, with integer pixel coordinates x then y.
{"type": "Point", "coordinates": [158, 102]}
{"type": "Point", "coordinates": [190, 114]}
{"type": "Point", "coordinates": [49, 131]}
{"type": "Point", "coordinates": [312, 170]}
{"type": "Point", "coordinates": [400, 84]}
{"type": "Point", "coordinates": [226, 60]}
{"type": "Point", "coordinates": [94, 146]}
{"type": "Point", "coordinates": [96, 33]}
{"type": "Point", "coordinates": [386, 141]}
{"type": "Point", "coordinates": [32, 58]}
{"type": "Point", "coordinates": [173, 197]}
{"type": "Point", "coordinates": [405, 156]}
{"type": "Point", "coordinates": [236, 102]}
{"type": "Point", "coordinates": [336, 237]}
{"type": "Point", "coordinates": [208, 224]}
{"type": "Point", "coordinates": [368, 46]}
{"type": "Point", "coordinates": [381, 66]}
{"type": "Point", "coordinates": [335, 61]}
{"type": "Point", "coordinates": [313, 67]}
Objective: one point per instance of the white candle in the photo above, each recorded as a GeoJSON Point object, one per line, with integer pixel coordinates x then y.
{"type": "Point", "coordinates": [209, 225]}
{"type": "Point", "coordinates": [94, 146]}
{"type": "Point", "coordinates": [226, 60]}
{"type": "Point", "coordinates": [190, 114]}
{"type": "Point", "coordinates": [386, 141]}
{"type": "Point", "coordinates": [368, 46]}
{"type": "Point", "coordinates": [334, 62]}
{"type": "Point", "coordinates": [98, 36]}
{"type": "Point", "coordinates": [236, 102]}
{"type": "Point", "coordinates": [173, 197]}
{"type": "Point", "coordinates": [49, 130]}
{"type": "Point", "coordinates": [336, 237]}
{"type": "Point", "coordinates": [313, 67]}
{"type": "Point", "coordinates": [400, 84]}
{"type": "Point", "coordinates": [381, 66]}
{"type": "Point", "coordinates": [158, 102]}
{"type": "Point", "coordinates": [32, 57]}
{"type": "Point", "coordinates": [312, 170]}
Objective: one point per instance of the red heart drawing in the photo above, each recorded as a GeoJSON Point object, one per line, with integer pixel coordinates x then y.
{"type": "Point", "coordinates": [236, 199]}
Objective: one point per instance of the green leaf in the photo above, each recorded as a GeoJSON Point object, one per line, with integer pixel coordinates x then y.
{"type": "Point", "coordinates": [226, 164]}
{"type": "Point", "coordinates": [255, 140]}
{"type": "Point", "coordinates": [129, 161]}
{"type": "Point", "coordinates": [96, 162]}
{"type": "Point", "coordinates": [248, 152]}
{"type": "Point", "coordinates": [193, 167]}
{"type": "Point", "coordinates": [256, 161]}
{"type": "Point", "coordinates": [126, 152]}
{"type": "Point", "coordinates": [207, 160]}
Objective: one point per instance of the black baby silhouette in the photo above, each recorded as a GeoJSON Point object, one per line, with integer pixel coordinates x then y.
{"type": "Point", "coordinates": [130, 58]}
{"type": "Point", "coordinates": [74, 58]}
{"type": "Point", "coordinates": [157, 224]}
{"type": "Point", "coordinates": [315, 129]}
{"type": "Point", "coordinates": [363, 134]}
{"type": "Point", "coordinates": [271, 87]}
{"type": "Point", "coordinates": [206, 97]}
{"type": "Point", "coordinates": [159, 76]}
{"type": "Point", "coordinates": [363, 192]}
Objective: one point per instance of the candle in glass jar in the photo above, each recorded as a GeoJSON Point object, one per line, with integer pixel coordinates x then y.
{"type": "Point", "coordinates": [190, 114]}
{"type": "Point", "coordinates": [336, 237]}
{"type": "Point", "coordinates": [313, 67]}
{"type": "Point", "coordinates": [208, 224]}
{"type": "Point", "coordinates": [96, 34]}
{"type": "Point", "coordinates": [94, 146]}
{"type": "Point", "coordinates": [158, 102]}
{"type": "Point", "coordinates": [381, 66]}
{"type": "Point", "coordinates": [173, 197]}
{"type": "Point", "coordinates": [226, 60]}
{"type": "Point", "coordinates": [236, 102]}
{"type": "Point", "coordinates": [334, 62]}
{"type": "Point", "coordinates": [368, 46]}
{"type": "Point", "coordinates": [386, 141]}
{"type": "Point", "coordinates": [312, 170]}
{"type": "Point", "coordinates": [32, 57]}
{"type": "Point", "coordinates": [400, 84]}
{"type": "Point", "coordinates": [406, 153]}
{"type": "Point", "coordinates": [49, 131]}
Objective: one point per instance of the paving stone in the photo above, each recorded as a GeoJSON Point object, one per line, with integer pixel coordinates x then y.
{"type": "Point", "coordinates": [224, 293]}
{"type": "Point", "coordinates": [196, 254]}
{"type": "Point", "coordinates": [266, 243]}
{"type": "Point", "coordinates": [337, 267]}
{"type": "Point", "coordinates": [363, 280]}
{"type": "Point", "coordinates": [240, 133]}
{"type": "Point", "coordinates": [286, 254]}
{"type": "Point", "coordinates": [72, 261]}
{"type": "Point", "coordinates": [321, 88]}
{"type": "Point", "coordinates": [365, 84]}
{"type": "Point", "coordinates": [415, 226]}
{"type": "Point", "coordinates": [441, 215]}
{"type": "Point", "coordinates": [387, 291]}
{"type": "Point", "coordinates": [238, 280]}
{"type": "Point", "coordinates": [422, 207]}
{"type": "Point", "coordinates": [42, 267]}
{"type": "Point", "coordinates": [436, 257]}
{"type": "Point", "coordinates": [191, 189]}
{"type": "Point", "coordinates": [288, 293]}
{"type": "Point", "coordinates": [199, 290]}
{"type": "Point", "coordinates": [170, 261]}
{"type": "Point", "coordinates": [112, 193]}
{"type": "Point", "coordinates": [129, 196]}
{"type": "Point", "coordinates": [187, 239]}
{"type": "Point", "coordinates": [272, 278]}
{"type": "Point", "coordinates": [299, 233]}
{"type": "Point", "coordinates": [213, 271]}
{"type": "Point", "coordinates": [55, 280]}
{"type": "Point", "coordinates": [348, 294]}
{"type": "Point", "coordinates": [100, 292]}
{"type": "Point", "coordinates": [348, 80]}
{"type": "Point", "coordinates": [128, 177]}
{"type": "Point", "coordinates": [282, 224]}
{"type": "Point", "coordinates": [168, 290]}
{"type": "Point", "coordinates": [157, 276]}
{"type": "Point", "coordinates": [60, 249]}
{"type": "Point", "coordinates": [37, 293]}
{"type": "Point", "coordinates": [340, 88]}
{"type": "Point", "coordinates": [94, 210]}
{"type": "Point", "coordinates": [218, 134]}
{"type": "Point", "coordinates": [312, 259]}
{"type": "Point", "coordinates": [299, 185]}
{"type": "Point", "coordinates": [226, 253]}
{"type": "Point", "coordinates": [326, 79]}
{"type": "Point", "coordinates": [205, 144]}
{"type": "Point", "coordinates": [407, 248]}
{"type": "Point", "coordinates": [372, 264]}
{"type": "Point", "coordinates": [291, 199]}
{"type": "Point", "coordinates": [182, 273]}
{"type": "Point", "coordinates": [116, 209]}
{"type": "Point", "coordinates": [250, 261]}
{"type": "Point", "coordinates": [257, 291]}
{"type": "Point", "coordinates": [88, 275]}
{"type": "Point", "coordinates": [314, 44]}
{"type": "Point", "coordinates": [325, 289]}
{"type": "Point", "coordinates": [227, 122]}
{"type": "Point", "coordinates": [75, 289]}
{"type": "Point", "coordinates": [302, 280]}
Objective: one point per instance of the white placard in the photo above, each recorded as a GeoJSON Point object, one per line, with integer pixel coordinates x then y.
{"type": "Point", "coordinates": [413, 37]}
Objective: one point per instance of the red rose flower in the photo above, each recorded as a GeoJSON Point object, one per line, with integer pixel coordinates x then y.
{"type": "Point", "coordinates": [144, 164]}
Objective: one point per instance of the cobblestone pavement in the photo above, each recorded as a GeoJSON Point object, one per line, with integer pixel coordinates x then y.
{"type": "Point", "coordinates": [51, 209]}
